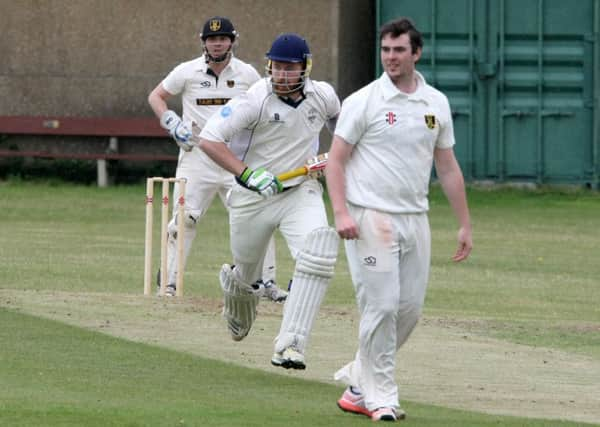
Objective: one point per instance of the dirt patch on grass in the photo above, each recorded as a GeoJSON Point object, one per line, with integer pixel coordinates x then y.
{"type": "Point", "coordinates": [443, 363]}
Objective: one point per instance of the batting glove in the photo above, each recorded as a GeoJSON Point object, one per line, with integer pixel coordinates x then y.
{"type": "Point", "coordinates": [262, 181]}
{"type": "Point", "coordinates": [177, 129]}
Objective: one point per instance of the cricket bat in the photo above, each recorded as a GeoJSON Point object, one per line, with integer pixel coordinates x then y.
{"type": "Point", "coordinates": [314, 167]}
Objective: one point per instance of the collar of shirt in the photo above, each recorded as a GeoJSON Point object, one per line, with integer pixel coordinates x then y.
{"type": "Point", "coordinates": [390, 90]}
{"type": "Point", "coordinates": [291, 102]}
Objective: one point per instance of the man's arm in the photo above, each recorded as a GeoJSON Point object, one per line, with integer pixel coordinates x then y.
{"type": "Point", "coordinates": [169, 120]}
{"type": "Point", "coordinates": [259, 180]}
{"type": "Point", "coordinates": [335, 174]}
{"type": "Point", "coordinates": [222, 155]}
{"type": "Point", "coordinates": [453, 184]}
{"type": "Point", "coordinates": [158, 100]}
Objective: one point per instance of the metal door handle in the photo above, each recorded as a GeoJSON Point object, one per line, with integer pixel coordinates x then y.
{"type": "Point", "coordinates": [518, 113]}
{"type": "Point", "coordinates": [557, 113]}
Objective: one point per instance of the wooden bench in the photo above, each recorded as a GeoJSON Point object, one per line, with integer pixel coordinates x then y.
{"type": "Point", "coordinates": [112, 128]}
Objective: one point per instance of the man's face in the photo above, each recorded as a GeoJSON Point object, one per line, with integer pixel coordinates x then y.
{"type": "Point", "coordinates": [397, 57]}
{"type": "Point", "coordinates": [217, 45]}
{"type": "Point", "coordinates": [286, 76]}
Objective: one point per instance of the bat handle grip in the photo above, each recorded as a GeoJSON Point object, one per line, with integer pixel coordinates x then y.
{"type": "Point", "coordinates": [292, 174]}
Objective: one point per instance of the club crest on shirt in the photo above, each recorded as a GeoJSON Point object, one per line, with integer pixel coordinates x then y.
{"type": "Point", "coordinates": [276, 118]}
{"type": "Point", "coordinates": [390, 118]}
{"type": "Point", "coordinates": [430, 120]}
{"type": "Point", "coordinates": [230, 83]}
{"type": "Point", "coordinates": [312, 115]}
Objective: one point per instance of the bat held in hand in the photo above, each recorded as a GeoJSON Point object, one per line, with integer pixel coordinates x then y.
{"type": "Point", "coordinates": [314, 168]}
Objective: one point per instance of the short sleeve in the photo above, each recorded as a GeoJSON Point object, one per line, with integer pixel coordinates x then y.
{"type": "Point", "coordinates": [351, 122]}
{"type": "Point", "coordinates": [332, 101]}
{"type": "Point", "coordinates": [446, 136]}
{"type": "Point", "coordinates": [174, 83]}
{"type": "Point", "coordinates": [252, 75]}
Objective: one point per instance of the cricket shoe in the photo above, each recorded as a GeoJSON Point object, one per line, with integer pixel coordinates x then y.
{"type": "Point", "coordinates": [273, 293]}
{"type": "Point", "coordinates": [388, 414]}
{"type": "Point", "coordinates": [171, 289]}
{"type": "Point", "coordinates": [289, 358]}
{"type": "Point", "coordinates": [353, 401]}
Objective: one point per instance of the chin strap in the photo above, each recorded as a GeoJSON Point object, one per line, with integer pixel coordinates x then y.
{"type": "Point", "coordinates": [218, 59]}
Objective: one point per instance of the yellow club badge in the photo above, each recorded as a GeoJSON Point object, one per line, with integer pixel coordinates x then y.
{"type": "Point", "coordinates": [430, 121]}
{"type": "Point", "coordinates": [215, 24]}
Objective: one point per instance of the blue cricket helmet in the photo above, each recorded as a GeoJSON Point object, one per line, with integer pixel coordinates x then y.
{"type": "Point", "coordinates": [289, 47]}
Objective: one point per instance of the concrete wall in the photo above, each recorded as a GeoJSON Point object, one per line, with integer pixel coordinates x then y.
{"type": "Point", "coordinates": [102, 57]}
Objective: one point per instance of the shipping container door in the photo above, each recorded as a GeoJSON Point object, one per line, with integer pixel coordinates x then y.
{"type": "Point", "coordinates": [545, 83]}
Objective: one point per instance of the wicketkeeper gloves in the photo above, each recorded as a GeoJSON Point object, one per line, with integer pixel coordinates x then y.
{"type": "Point", "coordinates": [177, 129]}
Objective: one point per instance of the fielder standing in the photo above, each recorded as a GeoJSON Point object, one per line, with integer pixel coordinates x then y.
{"type": "Point", "coordinates": [282, 115]}
{"type": "Point", "coordinates": [388, 135]}
{"type": "Point", "coordinates": [205, 84]}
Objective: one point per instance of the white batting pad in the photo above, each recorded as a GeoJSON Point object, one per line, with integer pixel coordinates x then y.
{"type": "Point", "coordinates": [239, 304]}
{"type": "Point", "coordinates": [315, 265]}
{"type": "Point", "coordinates": [188, 238]}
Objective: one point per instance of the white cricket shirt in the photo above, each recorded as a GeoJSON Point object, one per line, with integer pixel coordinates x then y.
{"type": "Point", "coordinates": [270, 133]}
{"type": "Point", "coordinates": [203, 93]}
{"type": "Point", "coordinates": [394, 134]}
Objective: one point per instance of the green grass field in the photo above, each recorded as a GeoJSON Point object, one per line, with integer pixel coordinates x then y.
{"type": "Point", "coordinates": [71, 272]}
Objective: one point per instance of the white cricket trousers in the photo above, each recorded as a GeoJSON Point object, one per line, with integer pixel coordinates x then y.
{"type": "Point", "coordinates": [253, 219]}
{"type": "Point", "coordinates": [205, 180]}
{"type": "Point", "coordinates": [389, 265]}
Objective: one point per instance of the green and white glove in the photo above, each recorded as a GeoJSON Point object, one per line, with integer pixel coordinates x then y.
{"type": "Point", "coordinates": [260, 180]}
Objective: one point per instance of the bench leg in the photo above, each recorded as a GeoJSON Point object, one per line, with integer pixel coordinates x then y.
{"type": "Point", "coordinates": [103, 178]}
{"type": "Point", "coordinates": [102, 173]}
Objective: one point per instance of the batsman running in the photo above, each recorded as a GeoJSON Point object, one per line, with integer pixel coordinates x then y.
{"type": "Point", "coordinates": [205, 84]}
{"type": "Point", "coordinates": [282, 116]}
